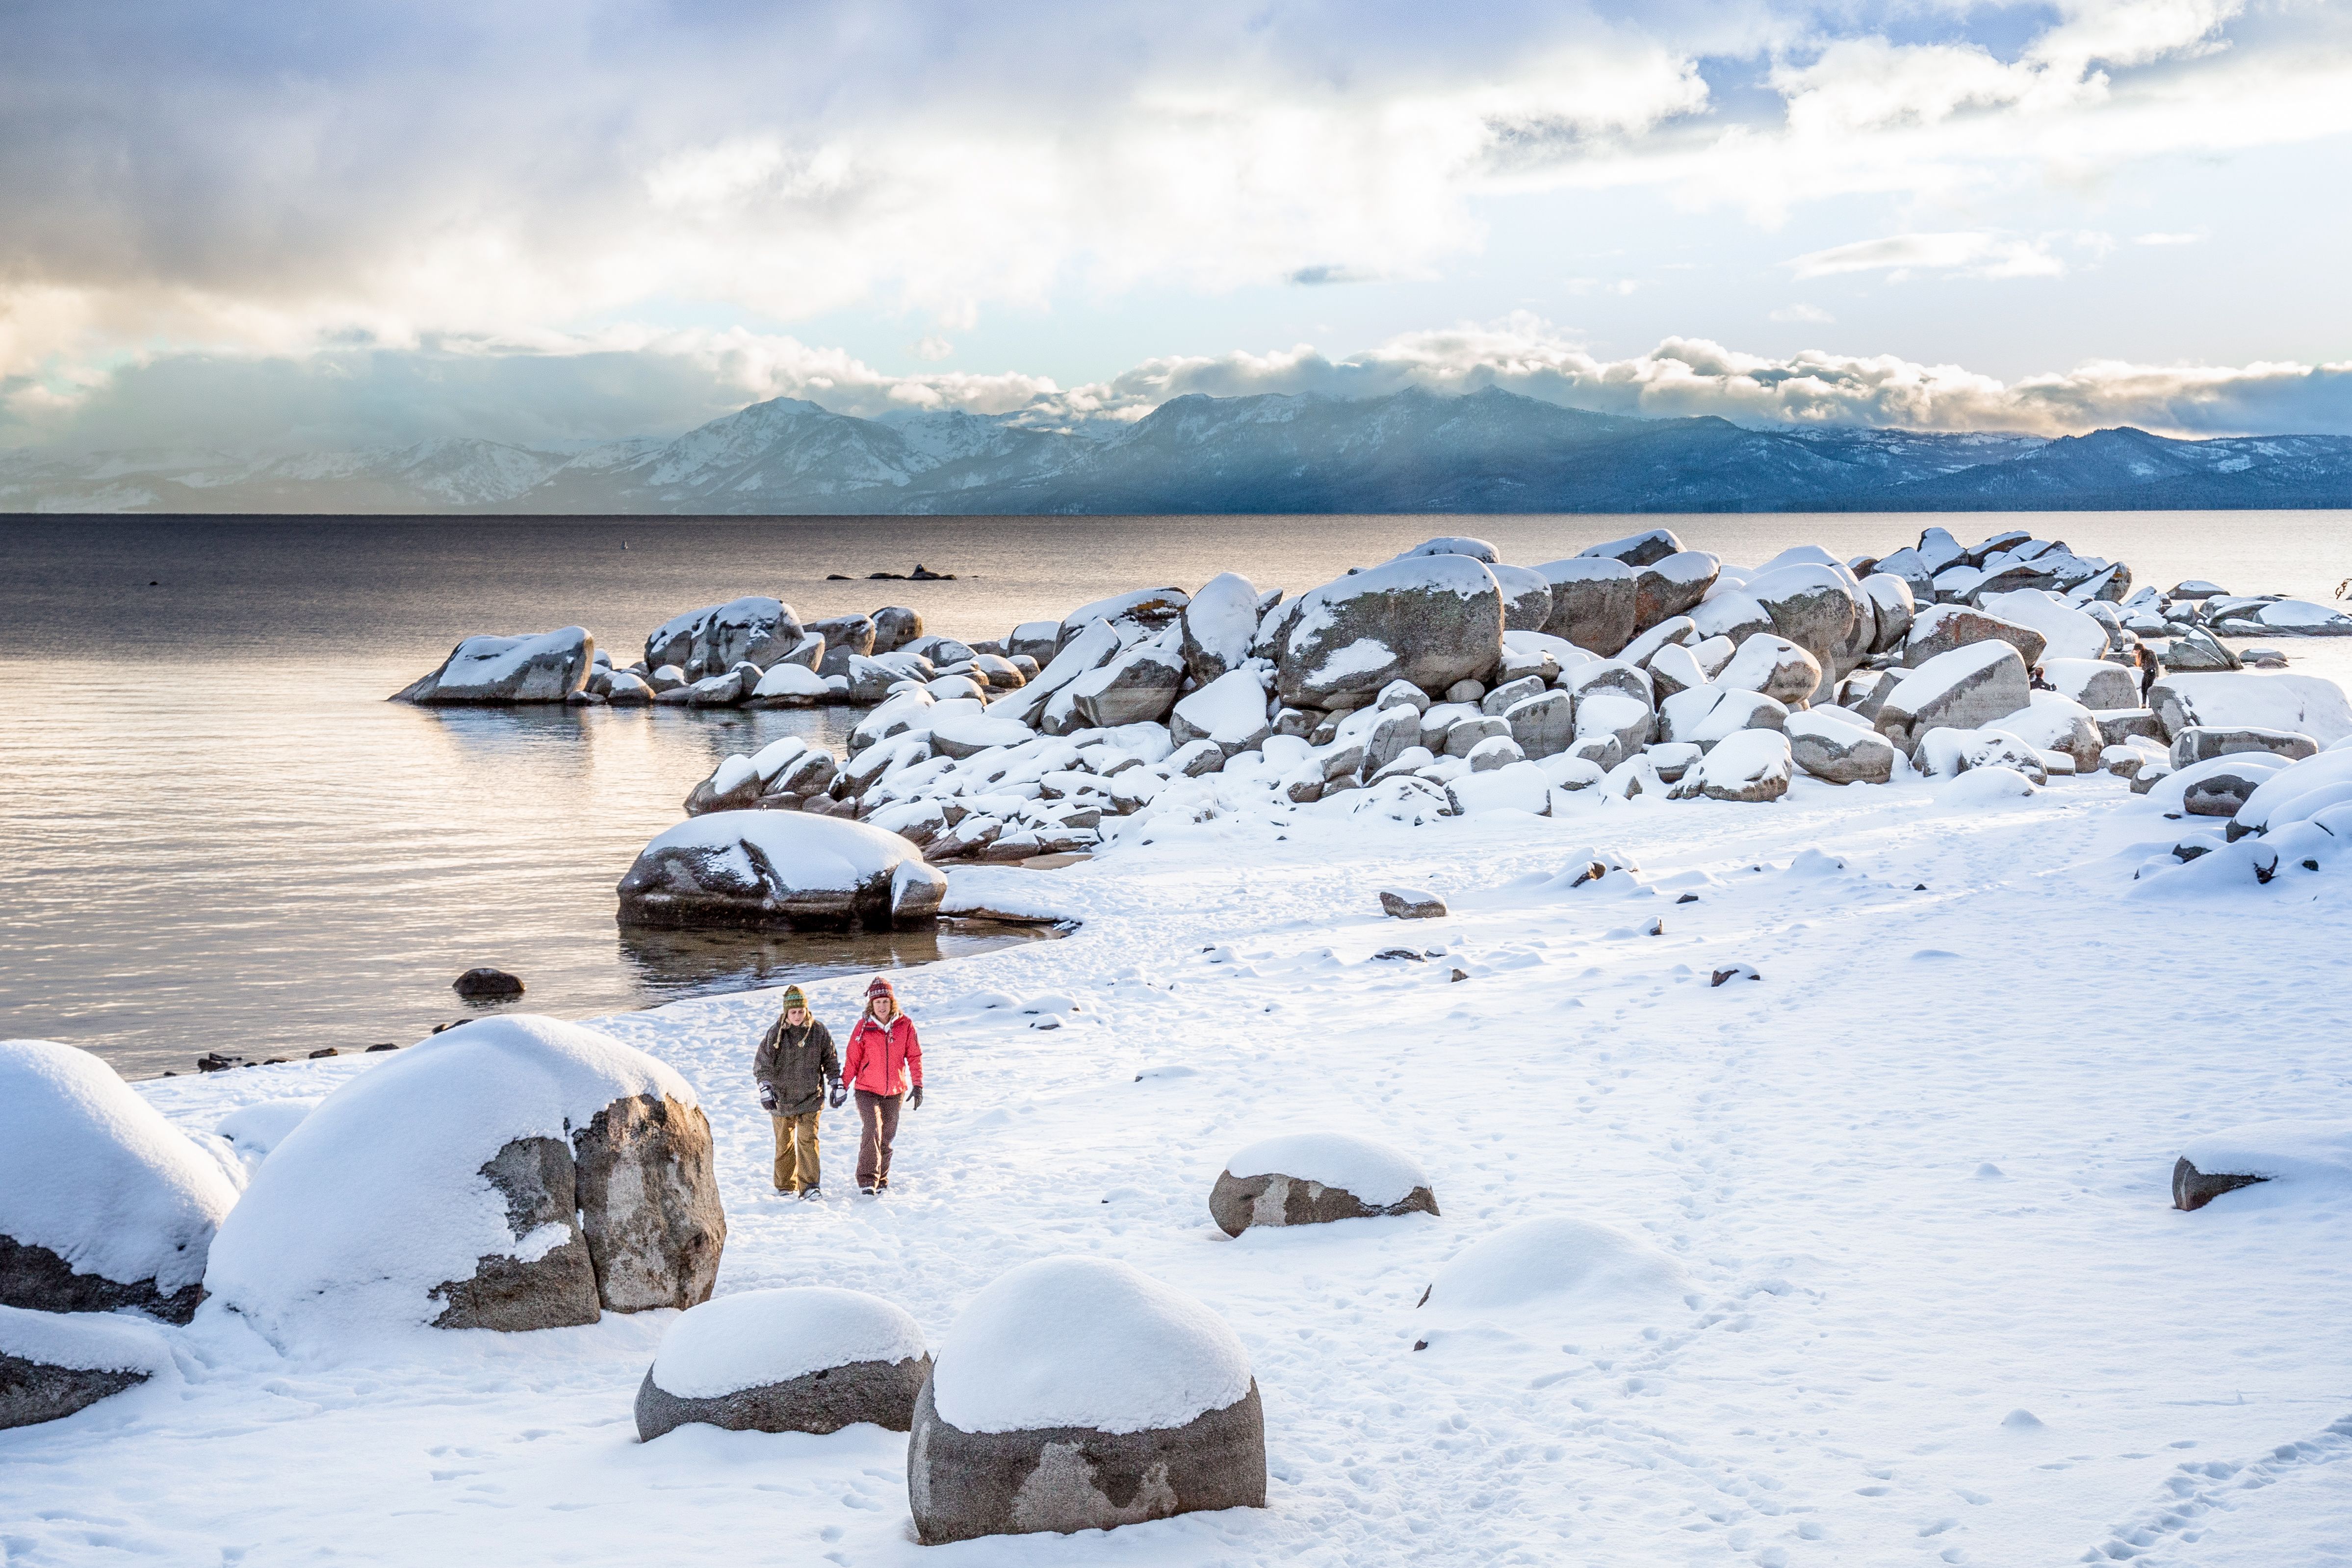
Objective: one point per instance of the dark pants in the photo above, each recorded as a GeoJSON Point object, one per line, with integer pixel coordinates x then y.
{"type": "Point", "coordinates": [879, 1115]}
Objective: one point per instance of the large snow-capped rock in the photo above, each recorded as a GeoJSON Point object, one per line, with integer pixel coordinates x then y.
{"type": "Point", "coordinates": [715, 638]}
{"type": "Point", "coordinates": [1430, 620]}
{"type": "Point", "coordinates": [2298, 792]}
{"type": "Point", "coordinates": [1774, 666]}
{"type": "Point", "coordinates": [2295, 1152]}
{"type": "Point", "coordinates": [1218, 626]}
{"type": "Point", "coordinates": [1637, 549]}
{"type": "Point", "coordinates": [103, 1204]}
{"type": "Point", "coordinates": [1941, 628]}
{"type": "Point", "coordinates": [1832, 744]}
{"type": "Point", "coordinates": [1672, 585]}
{"type": "Point", "coordinates": [2067, 633]}
{"type": "Point", "coordinates": [1595, 602]}
{"type": "Point", "coordinates": [1750, 765]}
{"type": "Point", "coordinates": [1554, 1279]}
{"type": "Point", "coordinates": [53, 1363]}
{"type": "Point", "coordinates": [1229, 710]}
{"type": "Point", "coordinates": [1076, 1393]}
{"type": "Point", "coordinates": [513, 1172]}
{"type": "Point", "coordinates": [1526, 597]}
{"type": "Point", "coordinates": [1967, 688]}
{"type": "Point", "coordinates": [1822, 609]}
{"type": "Point", "coordinates": [540, 667]}
{"type": "Point", "coordinates": [1314, 1179]}
{"type": "Point", "coordinates": [813, 1358]}
{"type": "Point", "coordinates": [1139, 686]}
{"type": "Point", "coordinates": [2252, 699]}
{"type": "Point", "coordinates": [779, 870]}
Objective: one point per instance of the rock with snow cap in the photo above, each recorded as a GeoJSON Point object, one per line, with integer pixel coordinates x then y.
{"type": "Point", "coordinates": [54, 1364]}
{"type": "Point", "coordinates": [1431, 620]}
{"type": "Point", "coordinates": [811, 1358]}
{"type": "Point", "coordinates": [1944, 627]}
{"type": "Point", "coordinates": [1526, 597]}
{"type": "Point", "coordinates": [1968, 687]}
{"type": "Point", "coordinates": [2066, 632]}
{"type": "Point", "coordinates": [2304, 705]}
{"type": "Point", "coordinates": [1594, 602]}
{"type": "Point", "coordinates": [1230, 710]}
{"type": "Point", "coordinates": [1412, 903]}
{"type": "Point", "coordinates": [2198, 651]}
{"type": "Point", "coordinates": [1074, 1393]}
{"type": "Point", "coordinates": [2315, 1155]}
{"type": "Point", "coordinates": [766, 870]}
{"type": "Point", "coordinates": [540, 667]}
{"type": "Point", "coordinates": [103, 1204]}
{"type": "Point", "coordinates": [1892, 609]}
{"type": "Point", "coordinates": [895, 626]}
{"type": "Point", "coordinates": [1840, 750]}
{"type": "Point", "coordinates": [1637, 549]}
{"type": "Point", "coordinates": [2202, 743]}
{"type": "Point", "coordinates": [1315, 1178]}
{"type": "Point", "coordinates": [1672, 585]}
{"type": "Point", "coordinates": [1774, 666]}
{"type": "Point", "coordinates": [516, 1173]}
{"type": "Point", "coordinates": [1220, 622]}
{"type": "Point", "coordinates": [1451, 544]}
{"type": "Point", "coordinates": [1139, 685]}
{"type": "Point", "coordinates": [1753, 766]}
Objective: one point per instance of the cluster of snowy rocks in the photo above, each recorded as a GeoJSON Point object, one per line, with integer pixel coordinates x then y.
{"type": "Point", "coordinates": [752, 653]}
{"type": "Point", "coordinates": [512, 1173]}
{"type": "Point", "coordinates": [1447, 682]}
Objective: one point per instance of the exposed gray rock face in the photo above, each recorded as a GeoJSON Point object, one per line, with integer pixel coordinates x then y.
{"type": "Point", "coordinates": [36, 1278]}
{"type": "Point", "coordinates": [2199, 651]}
{"type": "Point", "coordinates": [32, 1392]}
{"type": "Point", "coordinates": [1431, 620]}
{"type": "Point", "coordinates": [1461, 738]}
{"type": "Point", "coordinates": [2202, 743]}
{"type": "Point", "coordinates": [1542, 725]}
{"type": "Point", "coordinates": [1526, 598]}
{"type": "Point", "coordinates": [1947, 627]}
{"type": "Point", "coordinates": [555, 1290]}
{"type": "Point", "coordinates": [1140, 684]}
{"type": "Point", "coordinates": [1594, 602]}
{"type": "Point", "coordinates": [1891, 607]}
{"type": "Point", "coordinates": [2192, 1190]}
{"type": "Point", "coordinates": [1672, 585]}
{"type": "Point", "coordinates": [1218, 626]}
{"type": "Point", "coordinates": [544, 667]}
{"type": "Point", "coordinates": [964, 1485]}
{"type": "Point", "coordinates": [1237, 1203]}
{"type": "Point", "coordinates": [1819, 611]}
{"type": "Point", "coordinates": [1967, 688]}
{"type": "Point", "coordinates": [2223, 792]}
{"type": "Point", "coordinates": [1840, 753]}
{"type": "Point", "coordinates": [895, 626]}
{"type": "Point", "coordinates": [1732, 615]}
{"type": "Point", "coordinates": [881, 1392]}
{"type": "Point", "coordinates": [1775, 666]}
{"type": "Point", "coordinates": [1407, 903]}
{"type": "Point", "coordinates": [1397, 730]}
{"type": "Point", "coordinates": [648, 1191]}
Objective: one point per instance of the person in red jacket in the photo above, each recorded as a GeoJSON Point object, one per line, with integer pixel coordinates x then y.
{"type": "Point", "coordinates": [883, 1063]}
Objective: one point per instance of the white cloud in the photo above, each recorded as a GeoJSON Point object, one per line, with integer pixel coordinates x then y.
{"type": "Point", "coordinates": [621, 386]}
{"type": "Point", "coordinates": [1973, 253]}
{"type": "Point", "coordinates": [933, 347]}
{"type": "Point", "coordinates": [1814, 314]}
{"type": "Point", "coordinates": [2197, 238]}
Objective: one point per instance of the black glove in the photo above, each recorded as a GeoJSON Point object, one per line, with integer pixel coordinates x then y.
{"type": "Point", "coordinates": [768, 1098]}
{"type": "Point", "coordinates": [915, 1098]}
{"type": "Point", "coordinates": [840, 1094]}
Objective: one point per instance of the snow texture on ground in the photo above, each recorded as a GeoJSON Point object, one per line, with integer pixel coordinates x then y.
{"type": "Point", "coordinates": [1916, 1176]}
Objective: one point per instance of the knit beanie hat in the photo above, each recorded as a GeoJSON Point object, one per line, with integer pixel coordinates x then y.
{"type": "Point", "coordinates": [881, 987]}
{"type": "Point", "coordinates": [792, 999]}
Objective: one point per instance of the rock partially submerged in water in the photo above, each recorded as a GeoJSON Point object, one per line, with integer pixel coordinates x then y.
{"type": "Point", "coordinates": [540, 667]}
{"type": "Point", "coordinates": [780, 871]}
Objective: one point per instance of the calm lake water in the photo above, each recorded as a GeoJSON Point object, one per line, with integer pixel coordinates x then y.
{"type": "Point", "coordinates": [215, 834]}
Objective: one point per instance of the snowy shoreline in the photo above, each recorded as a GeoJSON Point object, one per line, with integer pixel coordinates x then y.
{"type": "Point", "coordinates": [1916, 1174]}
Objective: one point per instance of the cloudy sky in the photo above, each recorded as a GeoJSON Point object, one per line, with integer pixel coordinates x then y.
{"type": "Point", "coordinates": [290, 224]}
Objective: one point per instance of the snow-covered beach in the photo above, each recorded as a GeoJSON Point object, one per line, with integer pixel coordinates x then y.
{"type": "Point", "coordinates": [1915, 1177]}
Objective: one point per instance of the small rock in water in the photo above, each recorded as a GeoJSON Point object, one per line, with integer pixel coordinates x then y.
{"type": "Point", "coordinates": [1405, 904]}
{"type": "Point", "coordinates": [325, 1050]}
{"type": "Point", "coordinates": [382, 1045]}
{"type": "Point", "coordinates": [837, 576]}
{"type": "Point", "coordinates": [483, 983]}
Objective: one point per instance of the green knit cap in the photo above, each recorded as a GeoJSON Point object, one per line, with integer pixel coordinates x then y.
{"type": "Point", "coordinates": [792, 999]}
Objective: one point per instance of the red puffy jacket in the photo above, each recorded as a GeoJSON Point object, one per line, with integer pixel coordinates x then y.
{"type": "Point", "coordinates": [880, 1058]}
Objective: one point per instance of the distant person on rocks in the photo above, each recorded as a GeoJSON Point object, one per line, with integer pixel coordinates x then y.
{"type": "Point", "coordinates": [885, 1062]}
{"type": "Point", "coordinates": [795, 1066]}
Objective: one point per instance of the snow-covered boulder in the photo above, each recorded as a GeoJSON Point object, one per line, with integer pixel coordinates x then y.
{"type": "Point", "coordinates": [1893, 608]}
{"type": "Point", "coordinates": [788, 685]}
{"type": "Point", "coordinates": [2049, 721]}
{"type": "Point", "coordinates": [1220, 625]}
{"type": "Point", "coordinates": [1431, 620]}
{"type": "Point", "coordinates": [1230, 710]}
{"type": "Point", "coordinates": [895, 626]}
{"type": "Point", "coordinates": [1553, 1280]}
{"type": "Point", "coordinates": [1752, 765]}
{"type": "Point", "coordinates": [1150, 607]}
{"type": "Point", "coordinates": [2282, 618]}
{"type": "Point", "coordinates": [103, 1204]}
{"type": "Point", "coordinates": [1314, 1179]}
{"type": "Point", "coordinates": [2096, 684]}
{"type": "Point", "coordinates": [2067, 633]}
{"type": "Point", "coordinates": [1968, 687]}
{"type": "Point", "coordinates": [970, 734]}
{"type": "Point", "coordinates": [1774, 666]}
{"type": "Point", "coordinates": [2202, 743]}
{"type": "Point", "coordinates": [1594, 600]}
{"type": "Point", "coordinates": [252, 1131]}
{"type": "Point", "coordinates": [1526, 598]}
{"type": "Point", "coordinates": [540, 667]}
{"type": "Point", "coordinates": [1518, 786]}
{"type": "Point", "coordinates": [2313, 1154]}
{"type": "Point", "coordinates": [1637, 549]}
{"type": "Point", "coordinates": [1840, 749]}
{"type": "Point", "coordinates": [2249, 699]}
{"type": "Point", "coordinates": [813, 1358]}
{"type": "Point", "coordinates": [1946, 753]}
{"type": "Point", "coordinates": [1078, 1393]}
{"type": "Point", "coordinates": [512, 1173]}
{"type": "Point", "coordinates": [2297, 793]}
{"type": "Point", "coordinates": [779, 870]}
{"type": "Point", "coordinates": [1820, 608]}
{"type": "Point", "coordinates": [751, 630]}
{"type": "Point", "coordinates": [1671, 585]}
{"type": "Point", "coordinates": [1706, 715]}
{"type": "Point", "coordinates": [1542, 725]}
{"type": "Point", "coordinates": [53, 1363]}
{"type": "Point", "coordinates": [2221, 788]}
{"type": "Point", "coordinates": [1138, 686]}
{"type": "Point", "coordinates": [1730, 614]}
{"type": "Point", "coordinates": [843, 635]}
{"type": "Point", "coordinates": [1092, 646]}
{"type": "Point", "coordinates": [1942, 628]}
{"type": "Point", "coordinates": [1451, 544]}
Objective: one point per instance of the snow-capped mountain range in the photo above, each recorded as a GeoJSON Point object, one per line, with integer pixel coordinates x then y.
{"type": "Point", "coordinates": [1414, 451]}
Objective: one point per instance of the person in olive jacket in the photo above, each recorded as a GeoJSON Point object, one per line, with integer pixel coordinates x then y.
{"type": "Point", "coordinates": [795, 1066]}
{"type": "Point", "coordinates": [886, 1067]}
